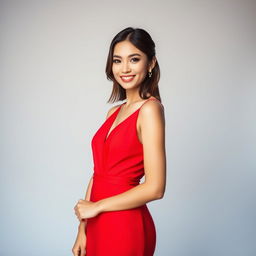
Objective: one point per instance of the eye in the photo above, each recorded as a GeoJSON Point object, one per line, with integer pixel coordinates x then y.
{"type": "Point", "coordinates": [135, 59]}
{"type": "Point", "coordinates": [115, 61]}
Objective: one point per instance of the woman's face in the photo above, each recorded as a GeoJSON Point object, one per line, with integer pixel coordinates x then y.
{"type": "Point", "coordinates": [130, 65]}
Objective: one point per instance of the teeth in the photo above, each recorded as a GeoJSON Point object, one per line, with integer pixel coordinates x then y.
{"type": "Point", "coordinates": [127, 77]}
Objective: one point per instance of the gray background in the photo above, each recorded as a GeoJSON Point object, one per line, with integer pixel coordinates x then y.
{"type": "Point", "coordinates": [53, 99]}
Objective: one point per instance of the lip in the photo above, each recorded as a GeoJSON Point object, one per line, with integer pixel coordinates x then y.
{"type": "Point", "coordinates": [128, 80]}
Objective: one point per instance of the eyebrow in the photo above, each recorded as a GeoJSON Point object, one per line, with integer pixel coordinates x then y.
{"type": "Point", "coordinates": [131, 55]}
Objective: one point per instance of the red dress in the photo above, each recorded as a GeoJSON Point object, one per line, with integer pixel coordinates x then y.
{"type": "Point", "coordinates": [118, 166]}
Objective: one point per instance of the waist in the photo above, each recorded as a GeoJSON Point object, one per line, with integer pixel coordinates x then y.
{"type": "Point", "coordinates": [119, 180]}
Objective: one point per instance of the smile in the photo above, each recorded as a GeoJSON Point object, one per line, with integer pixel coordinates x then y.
{"type": "Point", "coordinates": [127, 78]}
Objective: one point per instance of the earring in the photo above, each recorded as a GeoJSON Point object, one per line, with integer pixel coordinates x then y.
{"type": "Point", "coordinates": [149, 73]}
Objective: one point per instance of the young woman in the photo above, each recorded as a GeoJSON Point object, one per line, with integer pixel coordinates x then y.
{"type": "Point", "coordinates": [114, 218]}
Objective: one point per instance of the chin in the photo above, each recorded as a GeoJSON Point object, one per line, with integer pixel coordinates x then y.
{"type": "Point", "coordinates": [129, 86]}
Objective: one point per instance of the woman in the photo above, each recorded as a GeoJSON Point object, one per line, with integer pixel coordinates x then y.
{"type": "Point", "coordinates": [114, 218]}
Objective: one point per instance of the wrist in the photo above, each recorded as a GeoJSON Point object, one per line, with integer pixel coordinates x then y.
{"type": "Point", "coordinates": [82, 224]}
{"type": "Point", "coordinates": [99, 206]}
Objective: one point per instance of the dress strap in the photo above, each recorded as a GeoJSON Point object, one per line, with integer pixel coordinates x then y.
{"type": "Point", "coordinates": [152, 99]}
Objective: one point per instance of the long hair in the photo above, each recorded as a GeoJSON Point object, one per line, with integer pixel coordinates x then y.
{"type": "Point", "coordinates": [143, 41]}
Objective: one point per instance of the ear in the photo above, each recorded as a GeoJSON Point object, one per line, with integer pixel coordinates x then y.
{"type": "Point", "coordinates": [152, 63]}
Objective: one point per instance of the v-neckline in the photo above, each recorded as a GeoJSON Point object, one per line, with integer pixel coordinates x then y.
{"type": "Point", "coordinates": [110, 132]}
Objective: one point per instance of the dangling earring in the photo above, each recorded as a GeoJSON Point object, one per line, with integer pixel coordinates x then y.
{"type": "Point", "coordinates": [149, 73]}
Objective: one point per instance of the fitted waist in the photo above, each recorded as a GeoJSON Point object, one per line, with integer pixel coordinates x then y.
{"type": "Point", "coordinates": [119, 180]}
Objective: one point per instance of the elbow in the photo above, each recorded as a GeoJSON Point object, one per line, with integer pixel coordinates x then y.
{"type": "Point", "coordinates": [156, 192]}
{"type": "Point", "coordinates": [158, 195]}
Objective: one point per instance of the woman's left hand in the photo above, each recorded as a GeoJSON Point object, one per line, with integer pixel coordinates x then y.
{"type": "Point", "coordinates": [86, 209]}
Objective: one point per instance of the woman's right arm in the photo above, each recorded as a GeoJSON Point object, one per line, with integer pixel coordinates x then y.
{"type": "Point", "coordinates": [79, 247]}
{"type": "Point", "coordinates": [87, 197]}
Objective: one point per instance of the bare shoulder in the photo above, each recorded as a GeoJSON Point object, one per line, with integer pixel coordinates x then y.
{"type": "Point", "coordinates": [112, 110]}
{"type": "Point", "coordinates": [151, 125]}
{"type": "Point", "coordinates": [152, 110]}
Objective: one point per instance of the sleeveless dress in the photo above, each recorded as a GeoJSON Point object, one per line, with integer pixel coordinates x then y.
{"type": "Point", "coordinates": [118, 167]}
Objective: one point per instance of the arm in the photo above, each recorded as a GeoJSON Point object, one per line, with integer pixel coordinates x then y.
{"type": "Point", "coordinates": [88, 191]}
{"type": "Point", "coordinates": [83, 222]}
{"type": "Point", "coordinates": [152, 126]}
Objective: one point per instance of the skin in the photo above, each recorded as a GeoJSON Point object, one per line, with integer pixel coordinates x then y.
{"type": "Point", "coordinates": [80, 243]}
{"type": "Point", "coordinates": [150, 130]}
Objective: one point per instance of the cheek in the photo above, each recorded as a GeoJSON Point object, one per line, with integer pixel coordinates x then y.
{"type": "Point", "coordinates": [116, 76]}
{"type": "Point", "coordinates": [142, 69]}
{"type": "Point", "coordinates": [142, 72]}
{"type": "Point", "coordinates": [115, 70]}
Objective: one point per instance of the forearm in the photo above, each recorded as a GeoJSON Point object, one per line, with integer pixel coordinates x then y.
{"type": "Point", "coordinates": [132, 198]}
{"type": "Point", "coordinates": [83, 222]}
{"type": "Point", "coordinates": [88, 191]}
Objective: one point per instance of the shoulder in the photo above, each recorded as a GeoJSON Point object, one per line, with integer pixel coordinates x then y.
{"type": "Point", "coordinates": [151, 113]}
{"type": "Point", "coordinates": [151, 123]}
{"type": "Point", "coordinates": [112, 110]}
{"type": "Point", "coordinates": [151, 108]}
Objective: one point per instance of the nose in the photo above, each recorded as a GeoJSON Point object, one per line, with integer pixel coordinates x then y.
{"type": "Point", "coordinates": [126, 67]}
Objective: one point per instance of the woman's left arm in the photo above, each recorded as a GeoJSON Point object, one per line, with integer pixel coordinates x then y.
{"type": "Point", "coordinates": [152, 127]}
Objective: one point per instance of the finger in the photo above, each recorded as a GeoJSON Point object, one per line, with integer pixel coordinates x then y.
{"type": "Point", "coordinates": [77, 212]}
{"type": "Point", "coordinates": [83, 249]}
{"type": "Point", "coordinates": [78, 215]}
{"type": "Point", "coordinates": [76, 252]}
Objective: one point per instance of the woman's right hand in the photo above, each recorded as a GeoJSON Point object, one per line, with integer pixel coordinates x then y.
{"type": "Point", "coordinates": [79, 248]}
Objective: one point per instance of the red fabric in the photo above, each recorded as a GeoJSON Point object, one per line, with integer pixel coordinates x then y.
{"type": "Point", "coordinates": [118, 166]}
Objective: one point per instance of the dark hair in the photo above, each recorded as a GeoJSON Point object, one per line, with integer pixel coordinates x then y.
{"type": "Point", "coordinates": [143, 41]}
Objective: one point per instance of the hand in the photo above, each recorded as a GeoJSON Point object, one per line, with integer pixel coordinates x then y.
{"type": "Point", "coordinates": [79, 248]}
{"type": "Point", "coordinates": [86, 209]}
